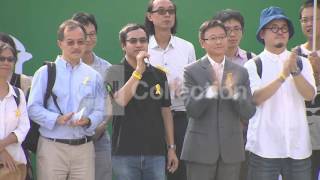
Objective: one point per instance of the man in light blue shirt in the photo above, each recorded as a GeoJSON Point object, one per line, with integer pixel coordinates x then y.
{"type": "Point", "coordinates": [65, 149]}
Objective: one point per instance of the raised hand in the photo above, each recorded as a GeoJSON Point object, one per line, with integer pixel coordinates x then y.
{"type": "Point", "coordinates": [141, 65]}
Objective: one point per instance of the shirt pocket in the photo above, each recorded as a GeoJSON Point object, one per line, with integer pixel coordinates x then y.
{"type": "Point", "coordinates": [86, 90]}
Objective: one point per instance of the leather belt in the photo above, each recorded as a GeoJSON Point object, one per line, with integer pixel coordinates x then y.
{"type": "Point", "coordinates": [72, 141]}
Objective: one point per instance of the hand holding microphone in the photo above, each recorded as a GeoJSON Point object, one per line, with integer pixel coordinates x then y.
{"type": "Point", "coordinates": [142, 61]}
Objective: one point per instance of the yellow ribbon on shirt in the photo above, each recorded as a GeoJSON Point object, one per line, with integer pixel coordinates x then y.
{"type": "Point", "coordinates": [163, 69]}
{"type": "Point", "coordinates": [18, 113]}
{"type": "Point", "coordinates": [158, 92]}
{"type": "Point", "coordinates": [85, 81]}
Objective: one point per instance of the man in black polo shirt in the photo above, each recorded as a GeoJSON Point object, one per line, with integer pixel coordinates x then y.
{"type": "Point", "coordinates": [141, 106]}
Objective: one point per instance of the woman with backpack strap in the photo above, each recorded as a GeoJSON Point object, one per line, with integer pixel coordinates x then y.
{"type": "Point", "coordinates": [14, 121]}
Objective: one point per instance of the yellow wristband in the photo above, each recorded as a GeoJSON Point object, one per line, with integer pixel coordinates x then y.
{"type": "Point", "coordinates": [282, 77]}
{"type": "Point", "coordinates": [137, 75]}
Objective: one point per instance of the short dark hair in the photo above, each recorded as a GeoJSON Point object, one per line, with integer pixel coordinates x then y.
{"type": "Point", "coordinates": [306, 4]}
{"type": "Point", "coordinates": [85, 19]}
{"type": "Point", "coordinates": [150, 26]}
{"type": "Point", "coordinates": [228, 14]}
{"type": "Point", "coordinates": [210, 24]}
{"type": "Point", "coordinates": [128, 28]}
{"type": "Point", "coordinates": [4, 46]}
{"type": "Point", "coordinates": [70, 25]}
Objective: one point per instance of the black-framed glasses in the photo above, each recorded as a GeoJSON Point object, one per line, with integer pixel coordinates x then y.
{"type": "Point", "coordinates": [309, 113]}
{"type": "Point", "coordinates": [215, 38]}
{"type": "Point", "coordinates": [235, 29]}
{"type": "Point", "coordinates": [92, 35]}
{"type": "Point", "coordinates": [276, 29]}
{"type": "Point", "coordinates": [142, 40]}
{"type": "Point", "coordinates": [10, 59]}
{"type": "Point", "coordinates": [162, 11]}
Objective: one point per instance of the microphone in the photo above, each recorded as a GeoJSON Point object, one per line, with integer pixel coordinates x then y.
{"type": "Point", "coordinates": [146, 60]}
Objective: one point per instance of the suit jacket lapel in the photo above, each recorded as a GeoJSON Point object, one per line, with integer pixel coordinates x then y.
{"type": "Point", "coordinates": [209, 72]}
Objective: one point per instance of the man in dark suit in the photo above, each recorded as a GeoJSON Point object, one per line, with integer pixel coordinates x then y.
{"type": "Point", "coordinates": [217, 96]}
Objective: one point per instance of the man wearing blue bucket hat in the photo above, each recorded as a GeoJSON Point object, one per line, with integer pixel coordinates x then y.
{"type": "Point", "coordinates": [278, 135]}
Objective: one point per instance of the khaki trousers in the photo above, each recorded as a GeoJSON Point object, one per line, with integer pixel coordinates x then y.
{"type": "Point", "coordinates": [58, 161]}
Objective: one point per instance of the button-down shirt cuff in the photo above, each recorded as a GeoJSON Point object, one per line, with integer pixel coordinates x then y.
{"type": "Point", "coordinates": [19, 135]}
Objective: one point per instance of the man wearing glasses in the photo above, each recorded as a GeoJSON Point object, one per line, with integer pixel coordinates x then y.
{"type": "Point", "coordinates": [172, 54]}
{"type": "Point", "coordinates": [142, 120]}
{"type": "Point", "coordinates": [234, 23]}
{"type": "Point", "coordinates": [313, 107]}
{"type": "Point", "coordinates": [278, 135]}
{"type": "Point", "coordinates": [102, 145]}
{"type": "Point", "coordinates": [67, 122]}
{"type": "Point", "coordinates": [217, 97]}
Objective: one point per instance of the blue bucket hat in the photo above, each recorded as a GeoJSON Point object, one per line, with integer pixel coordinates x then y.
{"type": "Point", "coordinates": [273, 13]}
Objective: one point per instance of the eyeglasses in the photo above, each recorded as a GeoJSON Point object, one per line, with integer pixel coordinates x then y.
{"type": "Point", "coordinates": [235, 29]}
{"type": "Point", "coordinates": [72, 43]}
{"type": "Point", "coordinates": [276, 29]}
{"type": "Point", "coordinates": [317, 113]}
{"type": "Point", "coordinates": [10, 59]}
{"type": "Point", "coordinates": [215, 38]}
{"type": "Point", "coordinates": [162, 11]}
{"type": "Point", "coordinates": [142, 40]}
{"type": "Point", "coordinates": [92, 35]}
{"type": "Point", "coordinates": [305, 20]}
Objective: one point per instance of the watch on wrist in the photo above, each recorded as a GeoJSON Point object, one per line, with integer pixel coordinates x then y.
{"type": "Point", "coordinates": [171, 146]}
{"type": "Point", "coordinates": [89, 122]}
{"type": "Point", "coordinates": [296, 72]}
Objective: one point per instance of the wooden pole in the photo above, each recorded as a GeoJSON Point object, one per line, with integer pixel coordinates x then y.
{"type": "Point", "coordinates": [314, 30]}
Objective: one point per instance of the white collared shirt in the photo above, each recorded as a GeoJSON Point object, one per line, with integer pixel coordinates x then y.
{"type": "Point", "coordinates": [13, 119]}
{"type": "Point", "coordinates": [279, 129]}
{"type": "Point", "coordinates": [173, 59]}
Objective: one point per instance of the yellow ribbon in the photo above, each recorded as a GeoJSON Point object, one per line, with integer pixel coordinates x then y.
{"type": "Point", "coordinates": [158, 89]}
{"type": "Point", "coordinates": [18, 113]}
{"type": "Point", "coordinates": [161, 68]}
{"type": "Point", "coordinates": [85, 81]}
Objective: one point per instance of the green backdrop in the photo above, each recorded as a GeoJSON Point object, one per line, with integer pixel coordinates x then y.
{"type": "Point", "coordinates": [35, 22]}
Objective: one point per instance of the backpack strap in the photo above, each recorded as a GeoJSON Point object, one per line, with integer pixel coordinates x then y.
{"type": "Point", "coordinates": [299, 63]}
{"type": "Point", "coordinates": [299, 52]}
{"type": "Point", "coordinates": [258, 62]}
{"type": "Point", "coordinates": [16, 98]}
{"type": "Point", "coordinates": [51, 80]}
{"type": "Point", "coordinates": [249, 55]}
{"type": "Point", "coordinates": [16, 80]}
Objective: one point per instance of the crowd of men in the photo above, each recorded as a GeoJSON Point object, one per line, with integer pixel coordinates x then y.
{"type": "Point", "coordinates": [229, 115]}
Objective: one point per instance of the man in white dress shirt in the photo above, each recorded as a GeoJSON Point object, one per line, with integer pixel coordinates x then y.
{"type": "Point", "coordinates": [172, 54]}
{"type": "Point", "coordinates": [278, 135]}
